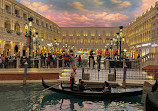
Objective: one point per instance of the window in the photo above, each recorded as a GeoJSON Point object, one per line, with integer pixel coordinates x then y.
{"type": "Point", "coordinates": [47, 26]}
{"type": "Point", "coordinates": [24, 16]}
{"type": "Point", "coordinates": [17, 13]}
{"type": "Point", "coordinates": [7, 8]}
{"type": "Point", "coordinates": [42, 24]}
{"type": "Point", "coordinates": [37, 22]}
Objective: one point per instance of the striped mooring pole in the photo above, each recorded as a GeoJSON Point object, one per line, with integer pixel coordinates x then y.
{"type": "Point", "coordinates": [25, 73]}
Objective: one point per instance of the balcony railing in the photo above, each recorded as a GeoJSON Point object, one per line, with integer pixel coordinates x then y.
{"type": "Point", "coordinates": [18, 33]}
{"type": "Point", "coordinates": [8, 11]}
{"type": "Point", "coordinates": [9, 31]}
{"type": "Point", "coordinates": [17, 15]}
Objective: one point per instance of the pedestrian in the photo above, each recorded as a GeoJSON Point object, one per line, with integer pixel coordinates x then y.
{"type": "Point", "coordinates": [48, 61]}
{"type": "Point", "coordinates": [42, 60]}
{"type": "Point", "coordinates": [98, 60]}
{"type": "Point", "coordinates": [3, 61]}
{"type": "Point", "coordinates": [0, 61]}
{"type": "Point", "coordinates": [66, 60]}
{"type": "Point", "coordinates": [79, 60]}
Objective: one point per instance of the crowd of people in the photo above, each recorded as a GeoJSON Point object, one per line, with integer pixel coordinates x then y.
{"type": "Point", "coordinates": [50, 60]}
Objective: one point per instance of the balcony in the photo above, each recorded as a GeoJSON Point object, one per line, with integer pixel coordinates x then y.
{"type": "Point", "coordinates": [18, 33]}
{"type": "Point", "coordinates": [17, 15]}
{"type": "Point", "coordinates": [9, 31]}
{"type": "Point", "coordinates": [8, 11]}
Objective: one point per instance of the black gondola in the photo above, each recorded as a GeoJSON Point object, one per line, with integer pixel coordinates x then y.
{"type": "Point", "coordinates": [91, 94]}
{"type": "Point", "coordinates": [150, 105]}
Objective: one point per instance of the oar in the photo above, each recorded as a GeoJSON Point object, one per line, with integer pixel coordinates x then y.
{"type": "Point", "coordinates": [41, 91]}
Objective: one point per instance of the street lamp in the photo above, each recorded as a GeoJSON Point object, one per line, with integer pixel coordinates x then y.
{"type": "Point", "coordinates": [111, 46]}
{"type": "Point", "coordinates": [121, 35]}
{"type": "Point", "coordinates": [117, 43]}
{"type": "Point", "coordinates": [29, 37]}
{"type": "Point", "coordinates": [36, 42]}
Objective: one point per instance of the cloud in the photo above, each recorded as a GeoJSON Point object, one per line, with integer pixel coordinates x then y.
{"type": "Point", "coordinates": [37, 6]}
{"type": "Point", "coordinates": [98, 2]}
{"type": "Point", "coordinates": [78, 6]}
{"type": "Point", "coordinates": [121, 4]}
{"type": "Point", "coordinates": [146, 4]}
{"type": "Point", "coordinates": [77, 19]}
{"type": "Point", "coordinates": [116, 17]}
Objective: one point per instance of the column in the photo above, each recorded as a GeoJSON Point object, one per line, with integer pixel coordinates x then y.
{"type": "Point", "coordinates": [21, 49]}
{"type": "Point", "coordinates": [91, 63]}
{"type": "Point", "coordinates": [12, 48]}
{"type": "Point", "coordinates": [27, 52]}
{"type": "Point", "coordinates": [140, 61]}
{"type": "Point", "coordinates": [107, 63]}
{"type": "Point", "coordinates": [1, 47]}
{"type": "Point", "coordinates": [57, 63]}
{"type": "Point", "coordinates": [39, 64]}
{"type": "Point", "coordinates": [124, 63]}
{"type": "Point", "coordinates": [0, 3]}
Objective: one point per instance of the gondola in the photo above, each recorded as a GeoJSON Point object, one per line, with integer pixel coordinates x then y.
{"type": "Point", "coordinates": [150, 105]}
{"type": "Point", "coordinates": [91, 94]}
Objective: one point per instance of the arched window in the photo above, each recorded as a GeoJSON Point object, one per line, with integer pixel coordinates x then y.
{"type": "Point", "coordinates": [64, 41]}
{"type": "Point", "coordinates": [17, 27]}
{"type": "Point", "coordinates": [92, 41]}
{"type": "Point", "coordinates": [100, 41]}
{"type": "Point", "coordinates": [7, 25]}
{"type": "Point", "coordinates": [78, 41]}
{"type": "Point", "coordinates": [85, 41]}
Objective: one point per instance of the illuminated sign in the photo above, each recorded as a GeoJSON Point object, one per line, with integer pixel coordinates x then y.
{"type": "Point", "coordinates": [137, 46]}
{"type": "Point", "coordinates": [147, 44]}
{"type": "Point", "coordinates": [154, 45]}
{"type": "Point", "coordinates": [49, 44]}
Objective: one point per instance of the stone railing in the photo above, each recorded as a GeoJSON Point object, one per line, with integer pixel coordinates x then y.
{"type": "Point", "coordinates": [150, 59]}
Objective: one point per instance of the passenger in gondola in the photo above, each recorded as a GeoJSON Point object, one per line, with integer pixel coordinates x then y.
{"type": "Point", "coordinates": [78, 83]}
{"type": "Point", "coordinates": [82, 86]}
{"type": "Point", "coordinates": [106, 87]}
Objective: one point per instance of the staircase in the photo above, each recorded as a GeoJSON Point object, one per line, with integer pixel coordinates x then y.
{"type": "Point", "coordinates": [65, 75]}
{"type": "Point", "coordinates": [149, 63]}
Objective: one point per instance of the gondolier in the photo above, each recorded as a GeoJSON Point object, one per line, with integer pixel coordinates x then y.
{"type": "Point", "coordinates": [72, 77]}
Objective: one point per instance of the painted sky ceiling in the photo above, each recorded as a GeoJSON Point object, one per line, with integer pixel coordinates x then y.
{"type": "Point", "coordinates": [89, 13]}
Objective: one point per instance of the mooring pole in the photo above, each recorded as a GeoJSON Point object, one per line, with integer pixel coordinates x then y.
{"type": "Point", "coordinates": [98, 73]}
{"type": "Point", "coordinates": [82, 72]}
{"type": "Point", "coordinates": [115, 73]}
{"type": "Point", "coordinates": [25, 73]}
{"type": "Point", "coordinates": [124, 77]}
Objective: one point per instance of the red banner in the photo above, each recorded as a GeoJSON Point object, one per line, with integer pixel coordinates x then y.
{"type": "Point", "coordinates": [28, 41]}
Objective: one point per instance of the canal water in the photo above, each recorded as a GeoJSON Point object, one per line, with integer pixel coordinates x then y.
{"type": "Point", "coordinates": [16, 97]}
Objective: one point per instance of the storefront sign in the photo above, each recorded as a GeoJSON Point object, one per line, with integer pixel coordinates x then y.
{"type": "Point", "coordinates": [154, 45]}
{"type": "Point", "coordinates": [147, 44]}
{"type": "Point", "coordinates": [137, 46]}
{"type": "Point", "coordinates": [49, 45]}
{"type": "Point", "coordinates": [128, 54]}
{"type": "Point", "coordinates": [82, 52]}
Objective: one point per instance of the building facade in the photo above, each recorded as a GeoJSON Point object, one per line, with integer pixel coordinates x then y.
{"type": "Point", "coordinates": [86, 39]}
{"type": "Point", "coordinates": [13, 17]}
{"type": "Point", "coordinates": [142, 34]}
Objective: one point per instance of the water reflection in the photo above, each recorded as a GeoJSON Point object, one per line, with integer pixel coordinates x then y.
{"type": "Point", "coordinates": [31, 98]}
{"type": "Point", "coordinates": [58, 101]}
